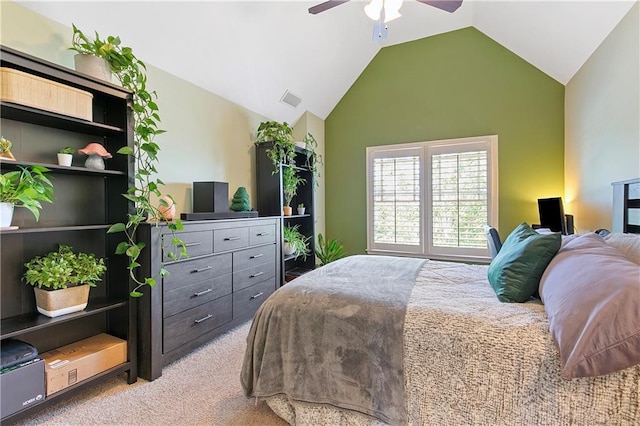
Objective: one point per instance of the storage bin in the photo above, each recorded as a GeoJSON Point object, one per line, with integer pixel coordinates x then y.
{"type": "Point", "coordinates": [37, 92]}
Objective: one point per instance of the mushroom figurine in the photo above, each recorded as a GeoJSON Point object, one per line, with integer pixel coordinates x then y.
{"type": "Point", "coordinates": [96, 155]}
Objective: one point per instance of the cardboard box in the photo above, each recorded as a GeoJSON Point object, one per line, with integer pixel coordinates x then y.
{"type": "Point", "coordinates": [37, 92]}
{"type": "Point", "coordinates": [78, 361]}
{"type": "Point", "coordinates": [21, 387]}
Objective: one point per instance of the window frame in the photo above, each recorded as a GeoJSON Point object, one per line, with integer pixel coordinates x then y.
{"type": "Point", "coordinates": [425, 150]}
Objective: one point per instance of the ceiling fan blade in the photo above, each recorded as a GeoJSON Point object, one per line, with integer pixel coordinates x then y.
{"type": "Point", "coordinates": [325, 6]}
{"type": "Point", "coordinates": [447, 5]}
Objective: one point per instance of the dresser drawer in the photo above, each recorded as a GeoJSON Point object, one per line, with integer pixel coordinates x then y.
{"type": "Point", "coordinates": [197, 243]}
{"type": "Point", "coordinates": [192, 295]}
{"type": "Point", "coordinates": [247, 301]}
{"type": "Point", "coordinates": [253, 275]}
{"type": "Point", "coordinates": [254, 256]}
{"type": "Point", "coordinates": [196, 270]}
{"type": "Point", "coordinates": [230, 239]}
{"type": "Point", "coordinates": [188, 325]}
{"type": "Point", "coordinates": [262, 234]}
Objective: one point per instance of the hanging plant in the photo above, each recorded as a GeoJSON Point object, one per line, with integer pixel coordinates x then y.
{"type": "Point", "coordinates": [131, 73]}
{"type": "Point", "coordinates": [314, 160]}
{"type": "Point", "coordinates": [281, 136]}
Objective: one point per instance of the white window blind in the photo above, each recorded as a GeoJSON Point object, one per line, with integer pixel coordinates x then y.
{"type": "Point", "coordinates": [432, 198]}
{"type": "Point", "coordinates": [396, 200]}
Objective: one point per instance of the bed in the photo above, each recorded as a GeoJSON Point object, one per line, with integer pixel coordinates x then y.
{"type": "Point", "coordinates": [421, 342]}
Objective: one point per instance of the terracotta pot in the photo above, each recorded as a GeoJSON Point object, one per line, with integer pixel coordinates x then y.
{"type": "Point", "coordinates": [286, 210]}
{"type": "Point", "coordinates": [63, 301]}
{"type": "Point", "coordinates": [169, 212]}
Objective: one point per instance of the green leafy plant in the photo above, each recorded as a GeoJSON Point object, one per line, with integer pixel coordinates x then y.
{"type": "Point", "coordinates": [5, 145]}
{"type": "Point", "coordinates": [299, 243]}
{"type": "Point", "coordinates": [314, 160]}
{"type": "Point", "coordinates": [67, 150]}
{"type": "Point", "coordinates": [329, 250]}
{"type": "Point", "coordinates": [301, 206]}
{"type": "Point", "coordinates": [290, 182]}
{"type": "Point", "coordinates": [26, 188]}
{"type": "Point", "coordinates": [131, 72]}
{"type": "Point", "coordinates": [64, 268]}
{"type": "Point", "coordinates": [283, 148]}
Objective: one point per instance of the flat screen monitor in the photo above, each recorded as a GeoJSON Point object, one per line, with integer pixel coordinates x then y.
{"type": "Point", "coordinates": [552, 214]}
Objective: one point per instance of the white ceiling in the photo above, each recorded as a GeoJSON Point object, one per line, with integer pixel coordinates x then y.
{"type": "Point", "coordinates": [250, 52]}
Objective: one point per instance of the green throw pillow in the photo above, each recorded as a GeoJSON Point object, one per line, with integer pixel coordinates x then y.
{"type": "Point", "coordinates": [515, 272]}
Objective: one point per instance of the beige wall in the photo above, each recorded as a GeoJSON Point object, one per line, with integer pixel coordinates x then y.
{"type": "Point", "coordinates": [208, 138]}
{"type": "Point", "coordinates": [602, 125]}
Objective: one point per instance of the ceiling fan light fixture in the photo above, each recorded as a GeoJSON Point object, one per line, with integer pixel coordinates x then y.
{"type": "Point", "coordinates": [392, 9]}
{"type": "Point", "coordinates": [373, 9]}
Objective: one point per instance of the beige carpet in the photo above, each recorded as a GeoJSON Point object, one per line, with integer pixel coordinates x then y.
{"type": "Point", "coordinates": [202, 388]}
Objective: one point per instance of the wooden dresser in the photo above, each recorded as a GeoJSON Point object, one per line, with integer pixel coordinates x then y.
{"type": "Point", "coordinates": [233, 266]}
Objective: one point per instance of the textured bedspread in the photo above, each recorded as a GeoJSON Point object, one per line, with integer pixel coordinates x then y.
{"type": "Point", "coordinates": [471, 360]}
{"type": "Point", "coordinates": [335, 336]}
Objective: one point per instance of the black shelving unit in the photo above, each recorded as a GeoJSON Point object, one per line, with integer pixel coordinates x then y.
{"type": "Point", "coordinates": [87, 202]}
{"type": "Point", "coordinates": [270, 200]}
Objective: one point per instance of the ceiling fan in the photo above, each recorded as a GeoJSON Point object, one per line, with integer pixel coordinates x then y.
{"type": "Point", "coordinates": [384, 11]}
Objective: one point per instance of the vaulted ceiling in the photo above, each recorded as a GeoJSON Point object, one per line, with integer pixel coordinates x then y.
{"type": "Point", "coordinates": [250, 52]}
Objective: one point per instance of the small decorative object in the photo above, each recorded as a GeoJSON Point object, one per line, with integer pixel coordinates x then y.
{"type": "Point", "coordinates": [26, 187]}
{"type": "Point", "coordinates": [61, 280]}
{"type": "Point", "coordinates": [295, 243]}
{"type": "Point", "coordinates": [329, 250]}
{"type": "Point", "coordinates": [167, 208]}
{"type": "Point", "coordinates": [301, 209]}
{"type": "Point", "coordinates": [65, 156]}
{"type": "Point", "coordinates": [290, 182]}
{"type": "Point", "coordinates": [96, 153]}
{"type": "Point", "coordinates": [5, 149]}
{"type": "Point", "coordinates": [240, 201]}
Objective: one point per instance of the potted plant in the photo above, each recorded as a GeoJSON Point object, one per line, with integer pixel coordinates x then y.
{"type": "Point", "coordinates": [61, 280]}
{"type": "Point", "coordinates": [131, 73]}
{"type": "Point", "coordinates": [295, 243]}
{"type": "Point", "coordinates": [329, 250]}
{"type": "Point", "coordinates": [65, 156]}
{"type": "Point", "coordinates": [26, 188]}
{"type": "Point", "coordinates": [283, 147]}
{"type": "Point", "coordinates": [314, 160]}
{"type": "Point", "coordinates": [301, 208]}
{"type": "Point", "coordinates": [5, 149]}
{"type": "Point", "coordinates": [94, 57]}
{"type": "Point", "coordinates": [290, 182]}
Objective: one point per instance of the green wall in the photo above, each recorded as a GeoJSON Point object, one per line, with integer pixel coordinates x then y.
{"type": "Point", "coordinates": [452, 85]}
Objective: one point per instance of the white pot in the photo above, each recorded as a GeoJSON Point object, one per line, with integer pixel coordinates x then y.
{"type": "Point", "coordinates": [301, 210]}
{"type": "Point", "coordinates": [62, 301]}
{"type": "Point", "coordinates": [288, 249]}
{"type": "Point", "coordinates": [93, 66]}
{"type": "Point", "coordinates": [65, 159]}
{"type": "Point", "coordinates": [6, 214]}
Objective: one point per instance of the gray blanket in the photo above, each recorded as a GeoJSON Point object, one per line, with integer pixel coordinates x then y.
{"type": "Point", "coordinates": [335, 336]}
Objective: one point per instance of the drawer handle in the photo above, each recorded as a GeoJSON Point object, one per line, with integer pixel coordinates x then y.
{"type": "Point", "coordinates": [198, 321]}
{"type": "Point", "coordinates": [200, 293]}
{"type": "Point", "coordinates": [255, 256]}
{"type": "Point", "coordinates": [201, 270]}
{"type": "Point", "coordinates": [257, 274]}
{"type": "Point", "coordinates": [263, 234]}
{"type": "Point", "coordinates": [255, 296]}
{"type": "Point", "coordinates": [231, 238]}
{"type": "Point", "coordinates": [192, 244]}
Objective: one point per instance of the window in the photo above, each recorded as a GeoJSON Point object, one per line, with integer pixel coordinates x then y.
{"type": "Point", "coordinates": [432, 198]}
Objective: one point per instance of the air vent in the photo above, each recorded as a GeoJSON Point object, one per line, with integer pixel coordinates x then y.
{"type": "Point", "coordinates": [290, 99]}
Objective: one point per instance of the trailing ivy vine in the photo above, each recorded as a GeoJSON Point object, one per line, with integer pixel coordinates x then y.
{"type": "Point", "coordinates": [131, 73]}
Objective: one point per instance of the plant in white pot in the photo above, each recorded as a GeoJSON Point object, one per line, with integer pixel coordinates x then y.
{"type": "Point", "coordinates": [25, 187]}
{"type": "Point", "coordinates": [290, 183]}
{"type": "Point", "coordinates": [295, 243]}
{"type": "Point", "coordinates": [61, 280]}
{"type": "Point", "coordinates": [65, 156]}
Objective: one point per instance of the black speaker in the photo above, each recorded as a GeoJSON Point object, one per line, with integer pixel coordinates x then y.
{"type": "Point", "coordinates": [569, 218]}
{"type": "Point", "coordinates": [210, 197]}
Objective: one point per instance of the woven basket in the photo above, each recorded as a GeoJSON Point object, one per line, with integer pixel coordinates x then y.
{"type": "Point", "coordinates": [37, 92]}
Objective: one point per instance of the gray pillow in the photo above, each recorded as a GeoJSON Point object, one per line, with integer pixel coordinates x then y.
{"type": "Point", "coordinates": [591, 293]}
